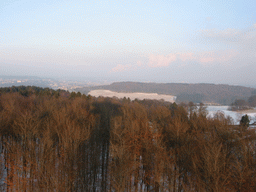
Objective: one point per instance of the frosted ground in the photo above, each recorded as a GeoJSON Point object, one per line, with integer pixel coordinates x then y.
{"type": "Point", "coordinates": [235, 115]}
{"type": "Point", "coordinates": [132, 96]}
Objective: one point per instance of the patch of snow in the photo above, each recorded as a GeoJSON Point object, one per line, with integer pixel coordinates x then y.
{"type": "Point", "coordinates": [212, 110]}
{"type": "Point", "coordinates": [132, 96]}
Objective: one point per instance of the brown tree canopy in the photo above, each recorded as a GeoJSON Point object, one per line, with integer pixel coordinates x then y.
{"type": "Point", "coordinates": [60, 141]}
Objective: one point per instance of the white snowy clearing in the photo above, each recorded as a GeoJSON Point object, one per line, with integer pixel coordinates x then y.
{"type": "Point", "coordinates": [132, 96]}
{"type": "Point", "coordinates": [234, 114]}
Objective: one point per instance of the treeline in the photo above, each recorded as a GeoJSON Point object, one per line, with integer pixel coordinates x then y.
{"type": "Point", "coordinates": [241, 104]}
{"type": "Point", "coordinates": [29, 90]}
{"type": "Point", "coordinates": [197, 93]}
{"type": "Point", "coordinates": [72, 142]}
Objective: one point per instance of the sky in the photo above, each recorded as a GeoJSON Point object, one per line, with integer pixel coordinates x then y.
{"type": "Point", "coordinates": [164, 41]}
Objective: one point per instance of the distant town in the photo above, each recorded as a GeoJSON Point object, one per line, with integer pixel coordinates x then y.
{"type": "Point", "coordinates": [68, 85]}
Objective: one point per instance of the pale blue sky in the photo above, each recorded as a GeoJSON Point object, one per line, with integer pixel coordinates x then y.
{"type": "Point", "coordinates": [116, 40]}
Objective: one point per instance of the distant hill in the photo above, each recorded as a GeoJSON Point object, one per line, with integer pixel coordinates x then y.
{"type": "Point", "coordinates": [217, 93]}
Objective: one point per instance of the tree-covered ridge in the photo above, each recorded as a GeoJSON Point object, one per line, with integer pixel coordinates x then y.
{"type": "Point", "coordinates": [29, 90]}
{"type": "Point", "coordinates": [202, 92]}
{"type": "Point", "coordinates": [81, 143]}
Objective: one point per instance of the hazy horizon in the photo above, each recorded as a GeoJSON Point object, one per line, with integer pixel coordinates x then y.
{"type": "Point", "coordinates": [141, 41]}
{"type": "Point", "coordinates": [97, 82]}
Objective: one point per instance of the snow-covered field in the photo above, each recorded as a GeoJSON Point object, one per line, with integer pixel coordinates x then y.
{"type": "Point", "coordinates": [235, 115]}
{"type": "Point", "coordinates": [132, 96]}
{"type": "Point", "coordinates": [211, 109]}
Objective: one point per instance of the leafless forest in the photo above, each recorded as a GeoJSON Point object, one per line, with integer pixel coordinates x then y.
{"type": "Point", "coordinates": [60, 141]}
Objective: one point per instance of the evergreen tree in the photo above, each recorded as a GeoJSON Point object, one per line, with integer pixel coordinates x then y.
{"type": "Point", "coordinates": [245, 121]}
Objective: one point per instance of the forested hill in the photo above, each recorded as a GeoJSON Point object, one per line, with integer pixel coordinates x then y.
{"type": "Point", "coordinates": [60, 141]}
{"type": "Point", "coordinates": [223, 94]}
